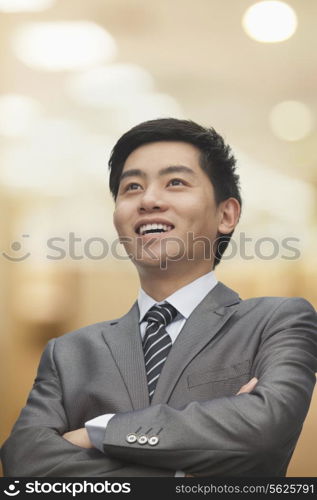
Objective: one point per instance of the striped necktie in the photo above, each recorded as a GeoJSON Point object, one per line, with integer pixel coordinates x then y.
{"type": "Point", "coordinates": [157, 342]}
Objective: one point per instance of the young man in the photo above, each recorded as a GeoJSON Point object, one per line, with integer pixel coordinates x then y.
{"type": "Point", "coordinates": [192, 380]}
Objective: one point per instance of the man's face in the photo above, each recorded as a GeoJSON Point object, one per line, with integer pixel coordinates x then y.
{"type": "Point", "coordinates": [162, 183]}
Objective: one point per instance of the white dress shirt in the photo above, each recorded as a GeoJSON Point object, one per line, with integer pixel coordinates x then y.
{"type": "Point", "coordinates": [185, 300]}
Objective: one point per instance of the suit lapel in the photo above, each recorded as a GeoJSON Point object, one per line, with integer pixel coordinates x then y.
{"type": "Point", "coordinates": [201, 326]}
{"type": "Point", "coordinates": [124, 341]}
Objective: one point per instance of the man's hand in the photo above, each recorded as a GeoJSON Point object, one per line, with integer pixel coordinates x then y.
{"type": "Point", "coordinates": [245, 389]}
{"type": "Point", "coordinates": [79, 437]}
{"type": "Point", "coordinates": [248, 387]}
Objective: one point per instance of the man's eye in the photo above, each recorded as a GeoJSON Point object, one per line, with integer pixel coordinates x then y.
{"type": "Point", "coordinates": [177, 181]}
{"type": "Point", "coordinates": [131, 186]}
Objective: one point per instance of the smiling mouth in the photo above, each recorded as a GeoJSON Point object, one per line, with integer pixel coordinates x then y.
{"type": "Point", "coordinates": [154, 229]}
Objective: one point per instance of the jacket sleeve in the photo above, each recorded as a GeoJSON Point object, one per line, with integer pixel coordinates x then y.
{"type": "Point", "coordinates": [36, 447]}
{"type": "Point", "coordinates": [234, 435]}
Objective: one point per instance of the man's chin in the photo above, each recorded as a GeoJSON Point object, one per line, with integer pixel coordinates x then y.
{"type": "Point", "coordinates": [162, 262]}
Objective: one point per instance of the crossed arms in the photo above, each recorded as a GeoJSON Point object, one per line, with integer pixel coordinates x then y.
{"type": "Point", "coordinates": [80, 437]}
{"type": "Point", "coordinates": [235, 435]}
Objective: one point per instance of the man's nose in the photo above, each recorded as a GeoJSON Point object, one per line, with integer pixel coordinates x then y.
{"type": "Point", "coordinates": [152, 199]}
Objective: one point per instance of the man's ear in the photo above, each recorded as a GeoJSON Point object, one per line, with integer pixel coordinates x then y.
{"type": "Point", "coordinates": [228, 215]}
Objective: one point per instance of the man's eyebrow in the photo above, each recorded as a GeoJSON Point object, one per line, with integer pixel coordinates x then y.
{"type": "Point", "coordinates": [173, 169]}
{"type": "Point", "coordinates": [136, 172]}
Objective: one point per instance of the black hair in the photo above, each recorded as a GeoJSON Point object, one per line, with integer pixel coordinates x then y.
{"type": "Point", "coordinates": [216, 158]}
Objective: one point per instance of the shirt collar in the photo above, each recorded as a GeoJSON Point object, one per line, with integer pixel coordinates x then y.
{"type": "Point", "coordinates": [185, 299]}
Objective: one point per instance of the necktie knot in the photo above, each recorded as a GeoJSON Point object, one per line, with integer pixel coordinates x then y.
{"type": "Point", "coordinates": [161, 313]}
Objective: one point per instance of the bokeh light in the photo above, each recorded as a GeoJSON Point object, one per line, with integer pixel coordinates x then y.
{"type": "Point", "coordinates": [270, 21]}
{"type": "Point", "coordinates": [60, 46]}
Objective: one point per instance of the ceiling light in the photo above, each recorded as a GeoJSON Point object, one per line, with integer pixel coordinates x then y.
{"type": "Point", "coordinates": [109, 86]}
{"type": "Point", "coordinates": [25, 5]}
{"type": "Point", "coordinates": [60, 46]}
{"type": "Point", "coordinates": [270, 21]}
{"type": "Point", "coordinates": [291, 120]}
{"type": "Point", "coordinates": [17, 113]}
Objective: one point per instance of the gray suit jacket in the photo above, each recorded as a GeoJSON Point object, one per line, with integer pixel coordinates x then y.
{"type": "Point", "coordinates": [202, 427]}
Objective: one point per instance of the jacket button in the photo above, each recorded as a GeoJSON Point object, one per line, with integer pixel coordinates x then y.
{"type": "Point", "coordinates": [131, 438]}
{"type": "Point", "coordinates": [153, 440]}
{"type": "Point", "coordinates": [142, 439]}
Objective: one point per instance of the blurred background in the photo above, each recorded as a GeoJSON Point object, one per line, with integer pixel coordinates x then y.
{"type": "Point", "coordinates": [75, 75]}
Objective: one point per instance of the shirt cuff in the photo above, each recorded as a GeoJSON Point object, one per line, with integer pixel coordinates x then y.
{"type": "Point", "coordinates": [96, 429]}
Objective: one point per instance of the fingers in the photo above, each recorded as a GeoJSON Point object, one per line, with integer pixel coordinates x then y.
{"type": "Point", "coordinates": [245, 389]}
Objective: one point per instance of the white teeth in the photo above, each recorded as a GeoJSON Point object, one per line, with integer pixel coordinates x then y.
{"type": "Point", "coordinates": [149, 227]}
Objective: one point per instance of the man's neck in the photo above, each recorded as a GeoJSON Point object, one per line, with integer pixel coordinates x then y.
{"type": "Point", "coordinates": [161, 283]}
